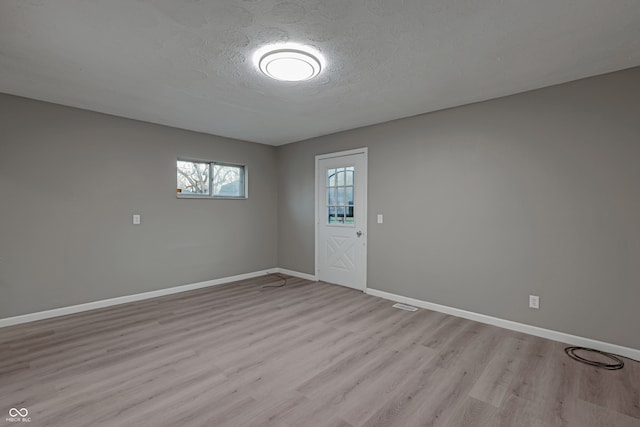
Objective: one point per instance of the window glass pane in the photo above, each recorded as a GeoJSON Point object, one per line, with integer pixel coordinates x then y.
{"type": "Point", "coordinates": [349, 215]}
{"type": "Point", "coordinates": [349, 195]}
{"type": "Point", "coordinates": [331, 175]}
{"type": "Point", "coordinates": [193, 178]}
{"type": "Point", "coordinates": [340, 176]}
{"type": "Point", "coordinates": [340, 197]}
{"type": "Point", "coordinates": [332, 215]}
{"type": "Point", "coordinates": [350, 175]}
{"type": "Point", "coordinates": [331, 196]}
{"type": "Point", "coordinates": [336, 213]}
{"type": "Point", "coordinates": [228, 180]}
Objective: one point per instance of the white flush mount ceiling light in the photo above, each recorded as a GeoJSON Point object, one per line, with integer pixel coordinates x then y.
{"type": "Point", "coordinates": [289, 64]}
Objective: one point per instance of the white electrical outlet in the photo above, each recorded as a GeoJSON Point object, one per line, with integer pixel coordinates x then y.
{"type": "Point", "coordinates": [534, 301]}
{"type": "Point", "coordinates": [136, 219]}
{"type": "Point", "coordinates": [379, 218]}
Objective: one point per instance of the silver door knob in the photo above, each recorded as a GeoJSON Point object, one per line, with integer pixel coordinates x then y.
{"type": "Point", "coordinates": [359, 233]}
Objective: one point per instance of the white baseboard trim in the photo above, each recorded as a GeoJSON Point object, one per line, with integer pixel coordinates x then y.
{"type": "Point", "coordinates": [297, 274]}
{"type": "Point", "coordinates": [507, 324]}
{"type": "Point", "coordinates": [32, 317]}
{"type": "Point", "coordinates": [514, 326]}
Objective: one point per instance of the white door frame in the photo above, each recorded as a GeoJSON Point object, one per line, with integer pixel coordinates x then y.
{"type": "Point", "coordinates": [365, 180]}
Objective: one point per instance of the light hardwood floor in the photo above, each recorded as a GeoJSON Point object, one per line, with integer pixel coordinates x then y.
{"type": "Point", "coordinates": [306, 354]}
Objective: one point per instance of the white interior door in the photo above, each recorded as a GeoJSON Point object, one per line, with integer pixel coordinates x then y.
{"type": "Point", "coordinates": [341, 229]}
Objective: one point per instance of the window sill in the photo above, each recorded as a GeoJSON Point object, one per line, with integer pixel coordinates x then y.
{"type": "Point", "coordinates": [210, 197]}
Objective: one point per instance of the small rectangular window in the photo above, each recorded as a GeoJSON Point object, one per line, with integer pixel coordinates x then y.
{"type": "Point", "coordinates": [211, 179]}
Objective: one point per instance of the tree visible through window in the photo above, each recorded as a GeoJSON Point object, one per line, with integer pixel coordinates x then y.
{"type": "Point", "coordinates": [210, 179]}
{"type": "Point", "coordinates": [228, 180]}
{"type": "Point", "coordinates": [193, 178]}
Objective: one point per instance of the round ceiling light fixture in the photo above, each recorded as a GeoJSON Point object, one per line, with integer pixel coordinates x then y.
{"type": "Point", "coordinates": [289, 64]}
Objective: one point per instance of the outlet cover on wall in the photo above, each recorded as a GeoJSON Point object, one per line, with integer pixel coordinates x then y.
{"type": "Point", "coordinates": [534, 301]}
{"type": "Point", "coordinates": [136, 219]}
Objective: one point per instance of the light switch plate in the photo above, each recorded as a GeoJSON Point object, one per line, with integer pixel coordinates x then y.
{"type": "Point", "coordinates": [534, 301]}
{"type": "Point", "coordinates": [379, 218]}
{"type": "Point", "coordinates": [136, 219]}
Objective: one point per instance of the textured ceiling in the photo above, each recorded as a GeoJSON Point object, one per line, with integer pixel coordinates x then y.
{"type": "Point", "coordinates": [188, 63]}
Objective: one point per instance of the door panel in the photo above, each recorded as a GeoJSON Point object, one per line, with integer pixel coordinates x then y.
{"type": "Point", "coordinates": [341, 225]}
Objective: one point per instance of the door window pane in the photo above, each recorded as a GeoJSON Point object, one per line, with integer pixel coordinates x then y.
{"type": "Point", "coordinates": [340, 198]}
{"type": "Point", "coordinates": [339, 214]}
{"type": "Point", "coordinates": [349, 218]}
{"type": "Point", "coordinates": [331, 196]}
{"type": "Point", "coordinates": [340, 176]}
{"type": "Point", "coordinates": [349, 175]}
{"type": "Point", "coordinates": [332, 215]}
{"type": "Point", "coordinates": [331, 176]}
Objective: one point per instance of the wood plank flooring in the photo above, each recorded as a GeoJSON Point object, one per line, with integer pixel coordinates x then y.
{"type": "Point", "coordinates": [305, 354]}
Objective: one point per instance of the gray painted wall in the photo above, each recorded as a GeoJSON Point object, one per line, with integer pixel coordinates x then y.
{"type": "Point", "coordinates": [537, 193]}
{"type": "Point", "coordinates": [70, 181]}
{"type": "Point", "coordinates": [484, 204]}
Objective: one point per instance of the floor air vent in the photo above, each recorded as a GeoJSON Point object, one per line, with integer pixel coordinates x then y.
{"type": "Point", "coordinates": [404, 307]}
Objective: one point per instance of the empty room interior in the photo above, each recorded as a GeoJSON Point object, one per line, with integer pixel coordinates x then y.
{"type": "Point", "coordinates": [300, 213]}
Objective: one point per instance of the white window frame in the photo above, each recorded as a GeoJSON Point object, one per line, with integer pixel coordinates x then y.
{"type": "Point", "coordinates": [211, 164]}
